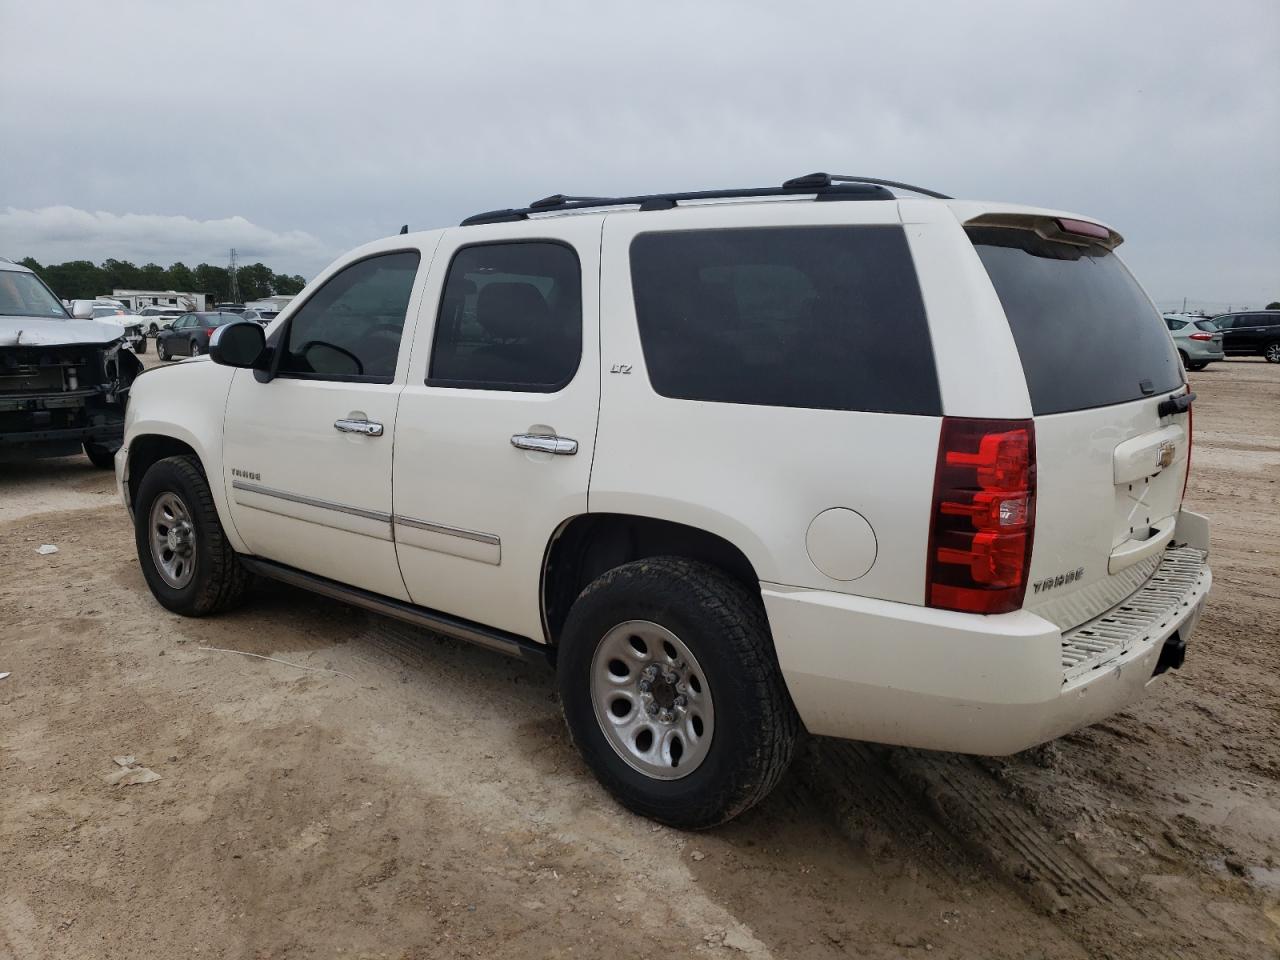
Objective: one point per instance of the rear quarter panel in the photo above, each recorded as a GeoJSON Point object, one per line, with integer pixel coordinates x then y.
{"type": "Point", "coordinates": [756, 475]}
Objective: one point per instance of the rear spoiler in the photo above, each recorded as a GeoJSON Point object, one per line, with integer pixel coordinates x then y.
{"type": "Point", "coordinates": [1082, 233]}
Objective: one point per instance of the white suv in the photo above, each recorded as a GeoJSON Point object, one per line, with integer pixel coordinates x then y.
{"type": "Point", "coordinates": [736, 462]}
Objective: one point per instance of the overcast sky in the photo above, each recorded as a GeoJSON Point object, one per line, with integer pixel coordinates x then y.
{"type": "Point", "coordinates": [173, 130]}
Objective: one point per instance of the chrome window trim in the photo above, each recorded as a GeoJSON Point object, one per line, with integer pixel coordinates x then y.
{"type": "Point", "coordinates": [310, 501]}
{"type": "Point", "coordinates": [449, 531]}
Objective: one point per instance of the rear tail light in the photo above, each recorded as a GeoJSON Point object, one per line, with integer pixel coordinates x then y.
{"type": "Point", "coordinates": [1201, 336]}
{"type": "Point", "coordinates": [983, 521]}
{"type": "Point", "coordinates": [1083, 228]}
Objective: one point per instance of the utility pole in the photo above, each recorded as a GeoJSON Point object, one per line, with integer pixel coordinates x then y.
{"type": "Point", "coordinates": [1184, 304]}
{"type": "Point", "coordinates": [235, 284]}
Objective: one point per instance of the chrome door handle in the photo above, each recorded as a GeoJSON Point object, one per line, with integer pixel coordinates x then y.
{"type": "Point", "coordinates": [559, 445]}
{"type": "Point", "coordinates": [370, 428]}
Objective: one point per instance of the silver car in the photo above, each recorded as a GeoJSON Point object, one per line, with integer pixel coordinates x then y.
{"type": "Point", "coordinates": [1198, 339]}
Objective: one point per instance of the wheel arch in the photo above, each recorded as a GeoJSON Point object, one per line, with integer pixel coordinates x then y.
{"type": "Point", "coordinates": [590, 544]}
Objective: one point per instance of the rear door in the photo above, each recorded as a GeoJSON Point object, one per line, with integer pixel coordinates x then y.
{"type": "Point", "coordinates": [497, 421]}
{"type": "Point", "coordinates": [1111, 461]}
{"type": "Point", "coordinates": [1235, 336]}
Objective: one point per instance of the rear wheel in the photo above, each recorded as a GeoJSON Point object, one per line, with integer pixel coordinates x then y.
{"type": "Point", "coordinates": [672, 692]}
{"type": "Point", "coordinates": [162, 351]}
{"type": "Point", "coordinates": [1186, 361]}
{"type": "Point", "coordinates": [1272, 351]}
{"type": "Point", "coordinates": [102, 457]}
{"type": "Point", "coordinates": [155, 328]}
{"type": "Point", "coordinates": [1197, 364]}
{"type": "Point", "coordinates": [195, 348]}
{"type": "Point", "coordinates": [140, 346]}
{"type": "Point", "coordinates": [182, 548]}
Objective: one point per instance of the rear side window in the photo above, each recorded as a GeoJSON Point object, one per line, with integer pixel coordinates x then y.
{"type": "Point", "coordinates": [1207, 325]}
{"type": "Point", "coordinates": [1087, 334]}
{"type": "Point", "coordinates": [1175, 324]}
{"type": "Point", "coordinates": [510, 318]}
{"type": "Point", "coordinates": [820, 317]}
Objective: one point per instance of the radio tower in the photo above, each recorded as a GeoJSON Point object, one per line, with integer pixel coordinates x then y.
{"type": "Point", "coordinates": [231, 272]}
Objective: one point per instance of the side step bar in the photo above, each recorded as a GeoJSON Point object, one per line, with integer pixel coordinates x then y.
{"type": "Point", "coordinates": [510, 644]}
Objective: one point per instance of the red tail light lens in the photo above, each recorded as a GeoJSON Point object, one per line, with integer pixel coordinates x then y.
{"type": "Point", "coordinates": [1200, 336]}
{"type": "Point", "coordinates": [984, 506]}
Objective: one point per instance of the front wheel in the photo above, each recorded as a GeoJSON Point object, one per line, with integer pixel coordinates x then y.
{"type": "Point", "coordinates": [672, 692]}
{"type": "Point", "coordinates": [182, 548]}
{"type": "Point", "coordinates": [1272, 351]}
{"type": "Point", "coordinates": [162, 351]}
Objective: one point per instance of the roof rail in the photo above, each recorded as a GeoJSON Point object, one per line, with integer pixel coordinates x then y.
{"type": "Point", "coordinates": [823, 186]}
{"type": "Point", "coordinates": [827, 179]}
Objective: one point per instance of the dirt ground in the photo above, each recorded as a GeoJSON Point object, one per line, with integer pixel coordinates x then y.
{"type": "Point", "coordinates": [387, 793]}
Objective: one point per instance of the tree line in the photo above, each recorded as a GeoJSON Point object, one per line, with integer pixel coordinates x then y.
{"type": "Point", "coordinates": [84, 280]}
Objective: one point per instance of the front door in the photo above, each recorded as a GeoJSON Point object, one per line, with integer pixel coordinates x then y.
{"type": "Point", "coordinates": [497, 420]}
{"type": "Point", "coordinates": [307, 455]}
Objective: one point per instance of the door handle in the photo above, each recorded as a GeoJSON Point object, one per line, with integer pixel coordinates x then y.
{"type": "Point", "coordinates": [370, 428]}
{"type": "Point", "coordinates": [558, 445]}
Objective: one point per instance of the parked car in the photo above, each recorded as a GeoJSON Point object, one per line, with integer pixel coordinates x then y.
{"type": "Point", "coordinates": [189, 335]}
{"type": "Point", "coordinates": [118, 314]}
{"type": "Point", "coordinates": [231, 307]}
{"type": "Point", "coordinates": [1255, 333]}
{"type": "Point", "coordinates": [64, 379]}
{"type": "Point", "coordinates": [262, 316]}
{"type": "Point", "coordinates": [160, 318]}
{"type": "Point", "coordinates": [670, 448]}
{"type": "Point", "coordinates": [1198, 340]}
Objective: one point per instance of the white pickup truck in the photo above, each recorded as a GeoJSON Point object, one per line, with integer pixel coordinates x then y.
{"type": "Point", "coordinates": [843, 454]}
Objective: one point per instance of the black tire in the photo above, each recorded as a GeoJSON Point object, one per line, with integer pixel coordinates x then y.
{"type": "Point", "coordinates": [724, 626]}
{"type": "Point", "coordinates": [162, 352]}
{"type": "Point", "coordinates": [195, 348]}
{"type": "Point", "coordinates": [102, 457]}
{"type": "Point", "coordinates": [141, 346]}
{"type": "Point", "coordinates": [1272, 351]}
{"type": "Point", "coordinates": [1186, 361]}
{"type": "Point", "coordinates": [1197, 365]}
{"type": "Point", "coordinates": [219, 581]}
{"type": "Point", "coordinates": [155, 328]}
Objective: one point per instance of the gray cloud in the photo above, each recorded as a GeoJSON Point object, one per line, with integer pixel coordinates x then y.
{"type": "Point", "coordinates": [342, 121]}
{"type": "Point", "coordinates": [55, 234]}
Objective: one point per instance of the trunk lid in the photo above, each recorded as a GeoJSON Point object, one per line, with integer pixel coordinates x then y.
{"type": "Point", "coordinates": [1111, 450]}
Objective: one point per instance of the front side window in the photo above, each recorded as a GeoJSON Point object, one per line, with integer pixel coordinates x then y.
{"type": "Point", "coordinates": [819, 317]}
{"type": "Point", "coordinates": [510, 318]}
{"type": "Point", "coordinates": [350, 328]}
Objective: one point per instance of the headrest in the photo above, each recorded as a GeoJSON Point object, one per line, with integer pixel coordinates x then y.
{"type": "Point", "coordinates": [510, 311]}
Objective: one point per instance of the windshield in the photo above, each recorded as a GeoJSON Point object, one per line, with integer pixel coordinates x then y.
{"type": "Point", "coordinates": [25, 295]}
{"type": "Point", "coordinates": [219, 319]}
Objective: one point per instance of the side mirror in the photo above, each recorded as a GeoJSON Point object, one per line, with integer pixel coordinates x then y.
{"type": "Point", "coordinates": [238, 344]}
{"type": "Point", "coordinates": [82, 309]}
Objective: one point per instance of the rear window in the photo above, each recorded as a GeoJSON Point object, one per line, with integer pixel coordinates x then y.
{"type": "Point", "coordinates": [819, 317]}
{"type": "Point", "coordinates": [1087, 334]}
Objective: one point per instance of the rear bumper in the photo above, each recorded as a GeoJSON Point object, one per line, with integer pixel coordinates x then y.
{"type": "Point", "coordinates": [1201, 350]}
{"type": "Point", "coordinates": [868, 669]}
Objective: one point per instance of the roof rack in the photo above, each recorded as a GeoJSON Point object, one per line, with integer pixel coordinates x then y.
{"type": "Point", "coordinates": [823, 186]}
